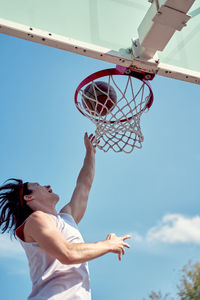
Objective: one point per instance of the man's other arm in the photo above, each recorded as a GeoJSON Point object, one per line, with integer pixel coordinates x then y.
{"type": "Point", "coordinates": [41, 228]}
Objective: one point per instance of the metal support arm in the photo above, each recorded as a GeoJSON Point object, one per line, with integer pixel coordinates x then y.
{"type": "Point", "coordinates": [161, 21]}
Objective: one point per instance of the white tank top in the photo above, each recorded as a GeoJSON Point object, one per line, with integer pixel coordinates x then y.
{"type": "Point", "coordinates": [52, 280]}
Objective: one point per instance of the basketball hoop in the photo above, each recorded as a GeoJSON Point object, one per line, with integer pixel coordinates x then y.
{"type": "Point", "coordinates": [117, 124]}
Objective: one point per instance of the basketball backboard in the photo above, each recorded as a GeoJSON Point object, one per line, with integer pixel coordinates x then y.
{"type": "Point", "coordinates": [104, 29]}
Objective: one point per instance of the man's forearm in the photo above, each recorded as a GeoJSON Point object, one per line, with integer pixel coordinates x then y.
{"type": "Point", "coordinates": [86, 174]}
{"type": "Point", "coordinates": [83, 252]}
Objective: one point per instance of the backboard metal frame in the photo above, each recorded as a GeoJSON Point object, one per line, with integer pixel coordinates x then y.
{"type": "Point", "coordinates": [125, 59]}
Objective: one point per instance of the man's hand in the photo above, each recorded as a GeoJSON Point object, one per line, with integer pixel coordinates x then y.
{"type": "Point", "coordinates": [117, 244]}
{"type": "Point", "coordinates": [88, 143]}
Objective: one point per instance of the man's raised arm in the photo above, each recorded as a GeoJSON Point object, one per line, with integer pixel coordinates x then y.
{"type": "Point", "coordinates": [78, 204]}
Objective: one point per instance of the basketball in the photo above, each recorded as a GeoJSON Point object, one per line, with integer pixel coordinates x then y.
{"type": "Point", "coordinates": [99, 97]}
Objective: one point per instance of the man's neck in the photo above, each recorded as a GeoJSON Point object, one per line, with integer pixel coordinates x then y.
{"type": "Point", "coordinates": [49, 211]}
{"type": "Point", "coordinates": [45, 209]}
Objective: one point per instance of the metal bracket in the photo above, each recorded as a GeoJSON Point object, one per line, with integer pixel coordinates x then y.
{"type": "Point", "coordinates": [140, 52]}
{"type": "Point", "coordinates": [135, 73]}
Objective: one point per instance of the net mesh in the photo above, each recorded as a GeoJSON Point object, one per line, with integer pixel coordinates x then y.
{"type": "Point", "coordinates": [117, 117]}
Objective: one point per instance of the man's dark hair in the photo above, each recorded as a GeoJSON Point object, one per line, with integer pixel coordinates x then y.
{"type": "Point", "coordinates": [13, 212]}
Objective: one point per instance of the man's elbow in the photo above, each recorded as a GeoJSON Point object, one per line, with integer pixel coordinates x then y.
{"type": "Point", "coordinates": [69, 259]}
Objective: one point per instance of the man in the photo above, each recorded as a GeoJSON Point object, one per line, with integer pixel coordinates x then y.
{"type": "Point", "coordinates": [54, 247]}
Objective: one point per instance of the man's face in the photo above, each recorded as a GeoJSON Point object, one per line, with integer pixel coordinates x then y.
{"type": "Point", "coordinates": [43, 193]}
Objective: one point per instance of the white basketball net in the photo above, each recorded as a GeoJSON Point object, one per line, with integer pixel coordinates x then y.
{"type": "Point", "coordinates": [111, 132]}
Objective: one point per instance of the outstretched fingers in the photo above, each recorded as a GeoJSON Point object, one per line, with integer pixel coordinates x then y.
{"type": "Point", "coordinates": [118, 244]}
{"type": "Point", "coordinates": [89, 142]}
{"type": "Point", "coordinates": [121, 252]}
{"type": "Point", "coordinates": [126, 245]}
{"type": "Point", "coordinates": [120, 256]}
{"type": "Point", "coordinates": [125, 237]}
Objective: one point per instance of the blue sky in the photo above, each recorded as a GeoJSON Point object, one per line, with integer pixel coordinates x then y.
{"type": "Point", "coordinates": [152, 193]}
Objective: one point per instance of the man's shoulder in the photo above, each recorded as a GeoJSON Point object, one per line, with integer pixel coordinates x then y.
{"type": "Point", "coordinates": [37, 223]}
{"type": "Point", "coordinates": [37, 216]}
{"type": "Point", "coordinates": [39, 219]}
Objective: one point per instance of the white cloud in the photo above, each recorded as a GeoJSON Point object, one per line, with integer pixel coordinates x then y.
{"type": "Point", "coordinates": [176, 228]}
{"type": "Point", "coordinates": [10, 247]}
